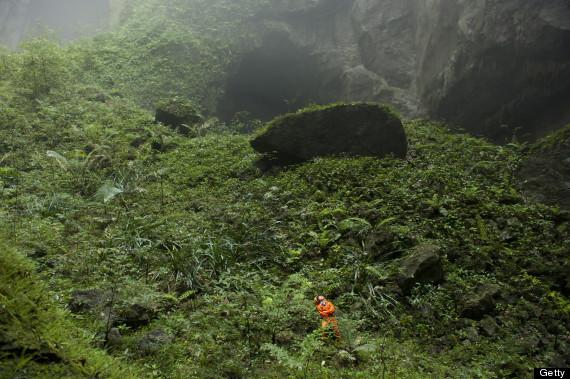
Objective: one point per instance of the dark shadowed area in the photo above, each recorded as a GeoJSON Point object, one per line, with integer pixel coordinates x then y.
{"type": "Point", "coordinates": [274, 79]}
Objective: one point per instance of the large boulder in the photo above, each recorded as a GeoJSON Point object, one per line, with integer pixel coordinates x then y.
{"type": "Point", "coordinates": [358, 129]}
{"type": "Point", "coordinates": [422, 266]}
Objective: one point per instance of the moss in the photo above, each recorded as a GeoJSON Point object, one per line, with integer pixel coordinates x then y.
{"type": "Point", "coordinates": [556, 139]}
{"type": "Point", "coordinates": [181, 108]}
{"type": "Point", "coordinates": [288, 117]}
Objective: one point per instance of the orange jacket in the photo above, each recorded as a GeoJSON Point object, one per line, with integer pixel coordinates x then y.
{"type": "Point", "coordinates": [326, 309]}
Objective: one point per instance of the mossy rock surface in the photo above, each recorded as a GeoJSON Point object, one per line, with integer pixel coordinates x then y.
{"type": "Point", "coordinates": [545, 173]}
{"type": "Point", "coordinates": [358, 129]}
{"type": "Point", "coordinates": [481, 302]}
{"type": "Point", "coordinates": [422, 266]}
{"type": "Point", "coordinates": [179, 114]}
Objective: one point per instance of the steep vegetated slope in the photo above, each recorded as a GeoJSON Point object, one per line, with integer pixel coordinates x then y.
{"type": "Point", "coordinates": [37, 339]}
{"type": "Point", "coordinates": [175, 254]}
{"type": "Point", "coordinates": [545, 174]}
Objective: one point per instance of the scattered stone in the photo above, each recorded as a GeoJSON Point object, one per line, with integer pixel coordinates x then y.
{"type": "Point", "coordinates": [422, 266]}
{"type": "Point", "coordinates": [87, 300]}
{"type": "Point", "coordinates": [359, 129]}
{"type": "Point", "coordinates": [100, 98]}
{"type": "Point", "coordinates": [481, 302]}
{"type": "Point", "coordinates": [114, 337]}
{"type": "Point", "coordinates": [153, 341]}
{"type": "Point", "coordinates": [179, 114]}
{"type": "Point", "coordinates": [135, 316]}
{"type": "Point", "coordinates": [488, 326]}
{"type": "Point", "coordinates": [378, 244]}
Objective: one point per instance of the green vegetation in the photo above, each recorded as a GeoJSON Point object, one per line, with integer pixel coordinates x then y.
{"type": "Point", "coordinates": [557, 139]}
{"type": "Point", "coordinates": [37, 338]}
{"type": "Point", "coordinates": [157, 255]}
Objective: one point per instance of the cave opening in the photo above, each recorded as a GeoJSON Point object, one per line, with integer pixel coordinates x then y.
{"type": "Point", "coordinates": [276, 78]}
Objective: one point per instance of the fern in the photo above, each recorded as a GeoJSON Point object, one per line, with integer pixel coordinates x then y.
{"type": "Point", "coordinates": [107, 192]}
{"type": "Point", "coordinates": [60, 159]}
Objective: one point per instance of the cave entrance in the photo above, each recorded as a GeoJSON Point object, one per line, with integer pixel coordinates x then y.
{"type": "Point", "coordinates": [276, 78]}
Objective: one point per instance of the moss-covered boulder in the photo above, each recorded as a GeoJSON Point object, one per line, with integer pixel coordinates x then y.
{"type": "Point", "coordinates": [358, 129]}
{"type": "Point", "coordinates": [422, 266]}
{"type": "Point", "coordinates": [178, 113]}
{"type": "Point", "coordinates": [481, 302]}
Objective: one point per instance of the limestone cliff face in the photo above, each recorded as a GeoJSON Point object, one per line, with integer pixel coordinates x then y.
{"type": "Point", "coordinates": [491, 66]}
{"type": "Point", "coordinates": [502, 65]}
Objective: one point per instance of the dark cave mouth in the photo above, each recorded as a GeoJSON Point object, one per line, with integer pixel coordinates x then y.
{"type": "Point", "coordinates": [276, 78]}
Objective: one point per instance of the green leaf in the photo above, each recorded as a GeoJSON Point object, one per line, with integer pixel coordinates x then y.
{"type": "Point", "coordinates": [354, 224]}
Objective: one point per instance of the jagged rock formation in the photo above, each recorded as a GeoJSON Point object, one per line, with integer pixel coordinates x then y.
{"type": "Point", "coordinates": [491, 66]}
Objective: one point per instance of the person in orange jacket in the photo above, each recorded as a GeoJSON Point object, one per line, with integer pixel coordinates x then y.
{"type": "Point", "coordinates": [326, 309]}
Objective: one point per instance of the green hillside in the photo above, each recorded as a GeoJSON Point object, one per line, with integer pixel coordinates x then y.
{"type": "Point", "coordinates": [131, 250]}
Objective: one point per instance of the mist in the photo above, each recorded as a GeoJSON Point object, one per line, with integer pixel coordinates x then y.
{"type": "Point", "coordinates": [68, 19]}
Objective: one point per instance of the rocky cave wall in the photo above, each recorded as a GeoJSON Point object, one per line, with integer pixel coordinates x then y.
{"type": "Point", "coordinates": [494, 67]}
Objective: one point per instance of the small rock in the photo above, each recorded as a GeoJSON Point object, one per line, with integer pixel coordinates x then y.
{"type": "Point", "coordinates": [562, 216]}
{"type": "Point", "coordinates": [422, 266]}
{"type": "Point", "coordinates": [179, 114]}
{"type": "Point", "coordinates": [153, 341]}
{"type": "Point", "coordinates": [378, 244]}
{"type": "Point", "coordinates": [99, 97]}
{"type": "Point", "coordinates": [463, 323]}
{"type": "Point", "coordinates": [135, 316]}
{"type": "Point", "coordinates": [137, 142]}
{"type": "Point", "coordinates": [481, 302]}
{"type": "Point", "coordinates": [87, 300]}
{"type": "Point", "coordinates": [114, 337]}
{"type": "Point", "coordinates": [285, 337]}
{"type": "Point", "coordinates": [488, 326]}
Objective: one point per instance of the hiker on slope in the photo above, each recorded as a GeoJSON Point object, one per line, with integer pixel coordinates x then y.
{"type": "Point", "coordinates": [329, 323]}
